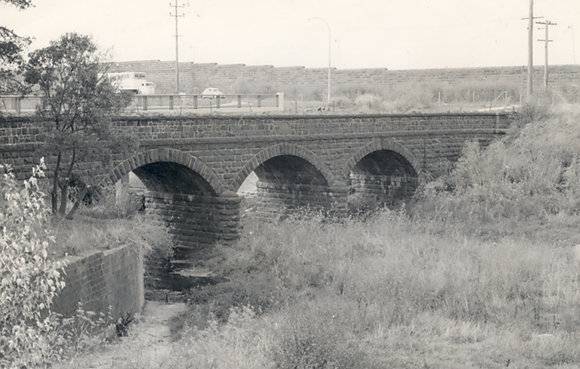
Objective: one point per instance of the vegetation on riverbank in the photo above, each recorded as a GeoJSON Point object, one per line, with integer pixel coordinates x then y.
{"type": "Point", "coordinates": [479, 273]}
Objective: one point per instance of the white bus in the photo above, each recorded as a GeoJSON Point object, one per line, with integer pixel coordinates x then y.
{"type": "Point", "coordinates": [132, 81]}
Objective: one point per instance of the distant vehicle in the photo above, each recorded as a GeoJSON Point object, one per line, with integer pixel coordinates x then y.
{"type": "Point", "coordinates": [132, 82]}
{"type": "Point", "coordinates": [212, 93]}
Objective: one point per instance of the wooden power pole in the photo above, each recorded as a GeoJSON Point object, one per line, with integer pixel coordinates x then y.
{"type": "Point", "coordinates": [176, 15]}
{"type": "Point", "coordinates": [546, 42]}
{"type": "Point", "coordinates": [530, 20]}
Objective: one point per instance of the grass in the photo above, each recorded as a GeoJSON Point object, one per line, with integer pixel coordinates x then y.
{"type": "Point", "coordinates": [385, 293]}
{"type": "Point", "coordinates": [86, 234]}
{"type": "Point", "coordinates": [107, 225]}
{"type": "Point", "coordinates": [424, 97]}
{"type": "Point", "coordinates": [479, 273]}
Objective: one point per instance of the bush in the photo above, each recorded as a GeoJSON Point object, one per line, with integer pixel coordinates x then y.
{"type": "Point", "coordinates": [368, 102]}
{"type": "Point", "coordinates": [30, 279]}
{"type": "Point", "coordinates": [243, 342]}
{"type": "Point", "coordinates": [341, 102]}
{"type": "Point", "coordinates": [415, 99]}
{"type": "Point", "coordinates": [312, 335]}
{"type": "Point", "coordinates": [533, 173]}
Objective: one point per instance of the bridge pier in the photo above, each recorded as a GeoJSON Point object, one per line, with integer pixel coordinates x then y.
{"type": "Point", "coordinates": [275, 199]}
{"type": "Point", "coordinates": [196, 222]}
{"type": "Point", "coordinates": [369, 192]}
{"type": "Point", "coordinates": [198, 225]}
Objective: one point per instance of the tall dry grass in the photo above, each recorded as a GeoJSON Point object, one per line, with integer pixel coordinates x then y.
{"type": "Point", "coordinates": [307, 293]}
{"type": "Point", "coordinates": [418, 290]}
{"type": "Point", "coordinates": [534, 172]}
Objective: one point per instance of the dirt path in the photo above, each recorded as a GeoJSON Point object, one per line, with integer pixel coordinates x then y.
{"type": "Point", "coordinates": [149, 342]}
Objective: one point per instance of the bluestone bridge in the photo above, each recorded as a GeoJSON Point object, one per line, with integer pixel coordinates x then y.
{"type": "Point", "coordinates": [193, 167]}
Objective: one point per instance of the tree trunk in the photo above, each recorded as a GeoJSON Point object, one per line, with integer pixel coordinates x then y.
{"type": "Point", "coordinates": [54, 194]}
{"type": "Point", "coordinates": [77, 203]}
{"type": "Point", "coordinates": [65, 185]}
{"type": "Point", "coordinates": [63, 198]}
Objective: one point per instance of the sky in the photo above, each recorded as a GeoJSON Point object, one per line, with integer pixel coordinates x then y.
{"type": "Point", "coordinates": [394, 34]}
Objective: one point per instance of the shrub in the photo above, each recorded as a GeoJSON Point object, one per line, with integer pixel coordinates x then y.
{"type": "Point", "coordinates": [533, 173]}
{"type": "Point", "coordinates": [243, 342]}
{"type": "Point", "coordinates": [414, 99]}
{"type": "Point", "coordinates": [341, 102]}
{"type": "Point", "coordinates": [368, 102]}
{"type": "Point", "coordinates": [312, 335]}
{"type": "Point", "coordinates": [30, 279]}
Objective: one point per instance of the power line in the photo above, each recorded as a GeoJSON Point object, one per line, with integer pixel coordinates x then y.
{"type": "Point", "coordinates": [546, 42]}
{"type": "Point", "coordinates": [176, 15]}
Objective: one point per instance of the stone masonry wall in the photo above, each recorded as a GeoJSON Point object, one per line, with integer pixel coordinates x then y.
{"type": "Point", "coordinates": [197, 223]}
{"type": "Point", "coordinates": [224, 150]}
{"type": "Point", "coordinates": [228, 148]}
{"type": "Point", "coordinates": [230, 78]}
{"type": "Point", "coordinates": [373, 191]}
{"type": "Point", "coordinates": [273, 200]}
{"type": "Point", "coordinates": [104, 278]}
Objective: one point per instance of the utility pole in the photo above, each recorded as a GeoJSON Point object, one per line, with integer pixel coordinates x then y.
{"type": "Point", "coordinates": [176, 15]}
{"type": "Point", "coordinates": [546, 42]}
{"type": "Point", "coordinates": [530, 20]}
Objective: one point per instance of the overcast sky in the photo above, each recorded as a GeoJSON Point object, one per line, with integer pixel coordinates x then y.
{"type": "Point", "coordinates": [396, 34]}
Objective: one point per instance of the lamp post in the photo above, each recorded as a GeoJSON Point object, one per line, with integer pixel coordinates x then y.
{"type": "Point", "coordinates": [328, 87]}
{"type": "Point", "coordinates": [571, 28]}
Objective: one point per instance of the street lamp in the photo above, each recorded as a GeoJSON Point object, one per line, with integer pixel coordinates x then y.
{"type": "Point", "coordinates": [329, 58]}
{"type": "Point", "coordinates": [571, 28]}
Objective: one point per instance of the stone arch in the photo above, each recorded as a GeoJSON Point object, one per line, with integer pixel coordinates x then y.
{"type": "Point", "coordinates": [171, 156]}
{"type": "Point", "coordinates": [383, 173]}
{"type": "Point", "coordinates": [186, 196]}
{"type": "Point", "coordinates": [380, 145]}
{"type": "Point", "coordinates": [284, 149]}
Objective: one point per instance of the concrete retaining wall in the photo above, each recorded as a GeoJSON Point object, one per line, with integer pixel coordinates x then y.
{"type": "Point", "coordinates": [104, 278]}
{"type": "Point", "coordinates": [241, 78]}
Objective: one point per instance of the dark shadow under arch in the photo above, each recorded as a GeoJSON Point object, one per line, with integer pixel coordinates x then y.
{"type": "Point", "coordinates": [161, 163]}
{"type": "Point", "coordinates": [381, 174]}
{"type": "Point", "coordinates": [383, 145]}
{"type": "Point", "coordinates": [282, 150]}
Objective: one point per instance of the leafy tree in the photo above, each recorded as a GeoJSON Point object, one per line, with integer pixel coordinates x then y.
{"type": "Point", "coordinates": [22, 4]}
{"type": "Point", "coordinates": [11, 47]}
{"type": "Point", "coordinates": [29, 280]}
{"type": "Point", "coordinates": [79, 101]}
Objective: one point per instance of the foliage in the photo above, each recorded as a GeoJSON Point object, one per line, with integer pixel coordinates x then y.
{"type": "Point", "coordinates": [368, 102]}
{"type": "Point", "coordinates": [30, 279]}
{"type": "Point", "coordinates": [533, 173]}
{"type": "Point", "coordinates": [390, 292]}
{"type": "Point", "coordinates": [22, 4]}
{"type": "Point", "coordinates": [11, 47]}
{"type": "Point", "coordinates": [79, 101]}
{"type": "Point", "coordinates": [84, 330]}
{"type": "Point", "coordinates": [252, 86]}
{"type": "Point", "coordinates": [85, 234]}
{"type": "Point", "coordinates": [400, 291]}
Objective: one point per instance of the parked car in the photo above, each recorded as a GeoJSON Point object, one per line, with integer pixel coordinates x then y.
{"type": "Point", "coordinates": [212, 93]}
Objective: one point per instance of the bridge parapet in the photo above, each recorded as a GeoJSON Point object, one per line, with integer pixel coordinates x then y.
{"type": "Point", "coordinates": [167, 103]}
